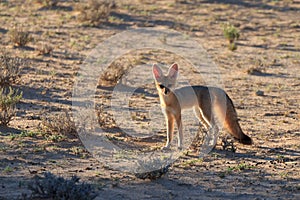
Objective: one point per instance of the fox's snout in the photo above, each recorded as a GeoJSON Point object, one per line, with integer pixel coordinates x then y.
{"type": "Point", "coordinates": [166, 91]}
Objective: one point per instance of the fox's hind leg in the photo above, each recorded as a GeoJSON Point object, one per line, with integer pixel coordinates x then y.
{"type": "Point", "coordinates": [202, 120]}
{"type": "Point", "coordinates": [206, 117]}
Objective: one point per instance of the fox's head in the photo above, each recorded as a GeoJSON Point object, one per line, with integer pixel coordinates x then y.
{"type": "Point", "coordinates": [165, 84]}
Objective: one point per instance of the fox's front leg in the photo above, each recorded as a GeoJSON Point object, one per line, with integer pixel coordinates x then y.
{"type": "Point", "coordinates": [170, 129]}
{"type": "Point", "coordinates": [180, 133]}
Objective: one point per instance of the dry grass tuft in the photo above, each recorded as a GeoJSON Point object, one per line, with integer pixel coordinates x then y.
{"type": "Point", "coordinates": [94, 12]}
{"type": "Point", "coordinates": [58, 126]}
{"type": "Point", "coordinates": [10, 68]}
{"type": "Point", "coordinates": [44, 49]}
{"type": "Point", "coordinates": [19, 37]}
{"type": "Point", "coordinates": [55, 187]}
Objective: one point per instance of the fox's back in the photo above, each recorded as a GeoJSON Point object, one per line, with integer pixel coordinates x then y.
{"type": "Point", "coordinates": [190, 96]}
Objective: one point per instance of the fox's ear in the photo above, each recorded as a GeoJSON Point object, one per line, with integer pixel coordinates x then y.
{"type": "Point", "coordinates": [173, 71]}
{"type": "Point", "coordinates": [157, 73]}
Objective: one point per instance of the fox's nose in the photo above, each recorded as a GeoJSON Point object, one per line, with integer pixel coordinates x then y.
{"type": "Point", "coordinates": [167, 90]}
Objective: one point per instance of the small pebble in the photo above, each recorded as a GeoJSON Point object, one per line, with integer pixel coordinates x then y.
{"type": "Point", "coordinates": [259, 93]}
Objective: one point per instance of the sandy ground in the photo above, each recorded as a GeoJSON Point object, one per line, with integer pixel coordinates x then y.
{"type": "Point", "coordinates": [270, 42]}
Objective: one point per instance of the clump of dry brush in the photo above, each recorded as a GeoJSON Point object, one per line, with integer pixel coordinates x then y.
{"type": "Point", "coordinates": [57, 127]}
{"type": "Point", "coordinates": [10, 68]}
{"type": "Point", "coordinates": [93, 12]}
{"type": "Point", "coordinates": [19, 37]}
{"type": "Point", "coordinates": [55, 187]}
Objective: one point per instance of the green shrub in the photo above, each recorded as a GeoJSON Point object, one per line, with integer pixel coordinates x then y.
{"type": "Point", "coordinates": [8, 100]}
{"type": "Point", "coordinates": [231, 33]}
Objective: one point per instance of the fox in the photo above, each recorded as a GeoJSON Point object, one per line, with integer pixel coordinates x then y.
{"type": "Point", "coordinates": [212, 106]}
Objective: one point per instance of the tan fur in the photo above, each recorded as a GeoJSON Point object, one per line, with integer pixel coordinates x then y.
{"type": "Point", "coordinates": [212, 106]}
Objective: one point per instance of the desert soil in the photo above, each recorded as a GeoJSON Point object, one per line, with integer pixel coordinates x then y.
{"type": "Point", "coordinates": [267, 59]}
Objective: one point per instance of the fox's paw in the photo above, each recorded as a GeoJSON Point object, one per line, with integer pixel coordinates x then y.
{"type": "Point", "coordinates": [166, 147]}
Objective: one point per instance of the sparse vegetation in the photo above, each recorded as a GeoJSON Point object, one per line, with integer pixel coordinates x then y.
{"type": "Point", "coordinates": [10, 68]}
{"type": "Point", "coordinates": [93, 12]}
{"type": "Point", "coordinates": [260, 66]}
{"type": "Point", "coordinates": [78, 150]}
{"type": "Point", "coordinates": [113, 74]}
{"type": "Point", "coordinates": [57, 188]}
{"type": "Point", "coordinates": [152, 168]}
{"type": "Point", "coordinates": [192, 162]}
{"type": "Point", "coordinates": [266, 97]}
{"type": "Point", "coordinates": [240, 167]}
{"type": "Point", "coordinates": [57, 127]}
{"type": "Point", "coordinates": [44, 49]}
{"type": "Point", "coordinates": [8, 100]}
{"type": "Point", "coordinates": [55, 137]}
{"type": "Point", "coordinates": [232, 34]}
{"type": "Point", "coordinates": [19, 37]}
{"type": "Point", "coordinates": [24, 134]}
{"type": "Point", "coordinates": [8, 169]}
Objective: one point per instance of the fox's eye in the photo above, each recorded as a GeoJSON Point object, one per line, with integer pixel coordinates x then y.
{"type": "Point", "coordinates": [161, 86]}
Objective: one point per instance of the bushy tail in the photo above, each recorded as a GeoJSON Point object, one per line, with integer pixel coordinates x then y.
{"type": "Point", "coordinates": [232, 124]}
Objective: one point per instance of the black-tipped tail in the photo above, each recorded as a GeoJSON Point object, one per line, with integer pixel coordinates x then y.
{"type": "Point", "coordinates": [246, 140]}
